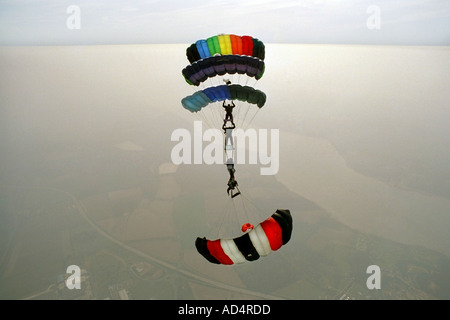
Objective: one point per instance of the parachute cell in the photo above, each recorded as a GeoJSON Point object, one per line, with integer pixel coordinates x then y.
{"type": "Point", "coordinates": [258, 49]}
{"type": "Point", "coordinates": [219, 93]}
{"type": "Point", "coordinates": [273, 232]}
{"type": "Point", "coordinates": [196, 102]}
{"type": "Point", "coordinates": [236, 44]}
{"type": "Point", "coordinates": [247, 45]}
{"type": "Point", "coordinates": [213, 45]}
{"type": "Point", "coordinates": [216, 251]}
{"type": "Point", "coordinates": [202, 48]}
{"type": "Point", "coordinates": [192, 53]}
{"type": "Point", "coordinates": [225, 44]}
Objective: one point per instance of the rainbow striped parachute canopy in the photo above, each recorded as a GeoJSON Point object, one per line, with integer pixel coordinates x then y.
{"type": "Point", "coordinates": [226, 44]}
{"type": "Point", "coordinates": [266, 237]}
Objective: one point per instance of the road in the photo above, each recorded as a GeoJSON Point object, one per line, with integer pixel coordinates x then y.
{"type": "Point", "coordinates": [193, 276]}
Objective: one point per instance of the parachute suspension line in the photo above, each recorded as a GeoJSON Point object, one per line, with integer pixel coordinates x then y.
{"type": "Point", "coordinates": [229, 79]}
{"type": "Point", "coordinates": [220, 116]}
{"type": "Point", "coordinates": [215, 114]}
{"type": "Point", "coordinates": [235, 211]}
{"type": "Point", "coordinates": [222, 80]}
{"type": "Point", "coordinates": [242, 114]}
{"type": "Point", "coordinates": [202, 119]}
{"type": "Point", "coordinates": [251, 119]}
{"type": "Point", "coordinates": [224, 216]}
{"type": "Point", "coordinates": [209, 118]}
{"type": "Point", "coordinates": [211, 114]}
{"type": "Point", "coordinates": [246, 213]}
{"type": "Point", "coordinates": [253, 84]}
{"type": "Point", "coordinates": [215, 120]}
{"type": "Point", "coordinates": [238, 212]}
{"type": "Point", "coordinates": [238, 112]}
{"type": "Point", "coordinates": [245, 115]}
{"type": "Point", "coordinates": [204, 85]}
{"type": "Point", "coordinates": [247, 79]}
{"type": "Point", "coordinates": [230, 218]}
{"type": "Point", "coordinates": [211, 83]}
{"type": "Point", "coordinates": [260, 213]}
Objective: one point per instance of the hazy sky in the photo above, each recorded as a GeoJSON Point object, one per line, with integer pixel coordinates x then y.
{"type": "Point", "coordinates": [402, 22]}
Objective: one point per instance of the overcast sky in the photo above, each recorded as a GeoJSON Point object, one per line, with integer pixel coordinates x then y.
{"type": "Point", "coordinates": [401, 22]}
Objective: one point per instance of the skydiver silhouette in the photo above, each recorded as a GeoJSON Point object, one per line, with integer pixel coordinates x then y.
{"type": "Point", "coordinates": [232, 183]}
{"type": "Point", "coordinates": [228, 116]}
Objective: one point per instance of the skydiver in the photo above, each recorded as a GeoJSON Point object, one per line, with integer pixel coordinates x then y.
{"type": "Point", "coordinates": [232, 183]}
{"type": "Point", "coordinates": [228, 116]}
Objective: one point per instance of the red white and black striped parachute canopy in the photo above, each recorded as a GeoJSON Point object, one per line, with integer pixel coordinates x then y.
{"type": "Point", "coordinates": [266, 237]}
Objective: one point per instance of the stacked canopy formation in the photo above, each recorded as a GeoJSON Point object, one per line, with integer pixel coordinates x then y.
{"type": "Point", "coordinates": [226, 44]}
{"type": "Point", "coordinates": [201, 70]}
{"type": "Point", "coordinates": [202, 98]}
{"type": "Point", "coordinates": [268, 236]}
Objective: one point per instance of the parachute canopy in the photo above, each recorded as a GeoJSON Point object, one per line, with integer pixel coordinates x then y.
{"type": "Point", "coordinates": [202, 98]}
{"type": "Point", "coordinates": [201, 70]}
{"type": "Point", "coordinates": [266, 237]}
{"type": "Point", "coordinates": [225, 44]}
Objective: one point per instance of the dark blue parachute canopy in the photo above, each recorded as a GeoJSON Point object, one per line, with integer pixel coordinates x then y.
{"type": "Point", "coordinates": [201, 70]}
{"type": "Point", "coordinates": [201, 99]}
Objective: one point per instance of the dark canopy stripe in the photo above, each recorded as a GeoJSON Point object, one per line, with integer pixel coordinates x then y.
{"type": "Point", "coordinates": [201, 70]}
